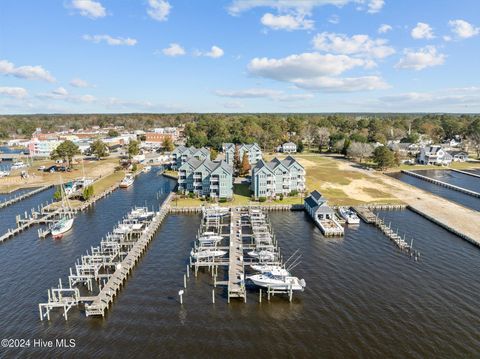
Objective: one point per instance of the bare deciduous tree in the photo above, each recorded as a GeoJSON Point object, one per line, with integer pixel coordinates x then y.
{"type": "Point", "coordinates": [360, 150]}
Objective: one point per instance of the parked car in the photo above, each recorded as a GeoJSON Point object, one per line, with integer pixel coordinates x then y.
{"type": "Point", "coordinates": [41, 168]}
{"type": "Point", "coordinates": [56, 168]}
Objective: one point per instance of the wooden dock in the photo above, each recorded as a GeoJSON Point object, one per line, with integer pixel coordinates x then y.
{"type": "Point", "coordinates": [106, 267]}
{"type": "Point", "coordinates": [236, 270]}
{"type": "Point", "coordinates": [365, 214]}
{"type": "Point", "coordinates": [23, 196]}
{"type": "Point", "coordinates": [443, 184]}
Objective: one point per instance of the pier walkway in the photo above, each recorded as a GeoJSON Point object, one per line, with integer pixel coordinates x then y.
{"type": "Point", "coordinates": [466, 173]}
{"type": "Point", "coordinates": [23, 196]}
{"type": "Point", "coordinates": [443, 184]}
{"type": "Point", "coordinates": [236, 272]}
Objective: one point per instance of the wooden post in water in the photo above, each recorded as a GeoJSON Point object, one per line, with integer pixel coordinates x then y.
{"type": "Point", "coordinates": [260, 296]}
{"type": "Point", "coordinates": [213, 296]}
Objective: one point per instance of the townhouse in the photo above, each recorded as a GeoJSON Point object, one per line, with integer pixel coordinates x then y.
{"type": "Point", "coordinates": [277, 177]}
{"type": "Point", "coordinates": [181, 154]}
{"type": "Point", "coordinates": [253, 150]}
{"type": "Point", "coordinates": [206, 178]}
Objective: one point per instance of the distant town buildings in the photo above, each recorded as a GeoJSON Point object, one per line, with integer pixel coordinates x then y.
{"type": "Point", "coordinates": [277, 177]}
{"type": "Point", "coordinates": [253, 150]}
{"type": "Point", "coordinates": [181, 154]}
{"type": "Point", "coordinates": [206, 178]}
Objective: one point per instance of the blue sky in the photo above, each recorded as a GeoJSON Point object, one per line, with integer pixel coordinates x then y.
{"type": "Point", "coordinates": [114, 56]}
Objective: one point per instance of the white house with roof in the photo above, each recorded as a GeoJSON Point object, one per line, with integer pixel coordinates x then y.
{"type": "Point", "coordinates": [181, 154]}
{"type": "Point", "coordinates": [253, 150]}
{"type": "Point", "coordinates": [277, 177]}
{"type": "Point", "coordinates": [206, 178]}
{"type": "Point", "coordinates": [434, 155]}
{"type": "Point", "coordinates": [289, 147]}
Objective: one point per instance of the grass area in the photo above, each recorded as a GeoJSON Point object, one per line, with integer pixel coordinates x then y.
{"type": "Point", "coordinates": [171, 173]}
{"type": "Point", "coordinates": [241, 197]}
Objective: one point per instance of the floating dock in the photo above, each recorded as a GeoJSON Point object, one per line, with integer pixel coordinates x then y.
{"type": "Point", "coordinates": [443, 184]}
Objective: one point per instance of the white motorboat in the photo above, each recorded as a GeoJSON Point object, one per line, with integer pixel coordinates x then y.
{"type": "Point", "coordinates": [4, 174]}
{"type": "Point", "coordinates": [207, 253]}
{"type": "Point", "coordinates": [262, 255]}
{"type": "Point", "coordinates": [141, 214]}
{"type": "Point", "coordinates": [61, 227]}
{"type": "Point", "coordinates": [127, 181]}
{"type": "Point", "coordinates": [349, 215]}
{"type": "Point", "coordinates": [147, 169]}
{"type": "Point", "coordinates": [279, 280]}
{"type": "Point", "coordinates": [264, 268]}
{"type": "Point", "coordinates": [17, 165]}
{"type": "Point", "coordinates": [209, 240]}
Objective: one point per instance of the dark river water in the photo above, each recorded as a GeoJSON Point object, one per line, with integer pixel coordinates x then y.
{"type": "Point", "coordinates": [457, 179]}
{"type": "Point", "coordinates": [363, 299]}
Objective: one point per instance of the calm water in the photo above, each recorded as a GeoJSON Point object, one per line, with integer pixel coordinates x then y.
{"type": "Point", "coordinates": [458, 179]}
{"type": "Point", "coordinates": [452, 195]}
{"type": "Point", "coordinates": [364, 298]}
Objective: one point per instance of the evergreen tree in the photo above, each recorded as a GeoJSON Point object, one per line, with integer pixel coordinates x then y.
{"type": "Point", "coordinates": [383, 157]}
{"type": "Point", "coordinates": [133, 148]}
{"type": "Point", "coordinates": [236, 159]}
{"type": "Point", "coordinates": [167, 144]}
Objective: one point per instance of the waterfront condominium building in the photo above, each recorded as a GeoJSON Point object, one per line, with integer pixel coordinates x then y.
{"type": "Point", "coordinates": [277, 177]}
{"type": "Point", "coordinates": [254, 152]}
{"type": "Point", "coordinates": [206, 178]}
{"type": "Point", "coordinates": [181, 154]}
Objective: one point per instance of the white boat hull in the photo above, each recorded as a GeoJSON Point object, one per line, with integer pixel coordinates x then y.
{"type": "Point", "coordinates": [59, 231]}
{"type": "Point", "coordinates": [207, 254]}
{"type": "Point", "coordinates": [286, 283]}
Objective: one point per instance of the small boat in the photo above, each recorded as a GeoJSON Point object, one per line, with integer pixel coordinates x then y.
{"type": "Point", "coordinates": [264, 268]}
{"type": "Point", "coordinates": [127, 181]}
{"type": "Point", "coordinates": [279, 280]}
{"type": "Point", "coordinates": [207, 253]}
{"type": "Point", "coordinates": [65, 223]}
{"type": "Point", "coordinates": [61, 227]}
{"type": "Point", "coordinates": [4, 174]}
{"type": "Point", "coordinates": [147, 169]}
{"type": "Point", "coordinates": [262, 255]}
{"type": "Point", "coordinates": [349, 215]}
{"type": "Point", "coordinates": [17, 165]}
{"type": "Point", "coordinates": [209, 240]}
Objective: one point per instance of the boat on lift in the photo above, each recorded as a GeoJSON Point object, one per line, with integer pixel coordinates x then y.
{"type": "Point", "coordinates": [279, 279]}
{"type": "Point", "coordinates": [207, 253]}
{"type": "Point", "coordinates": [262, 255]}
{"type": "Point", "coordinates": [348, 215]}
{"type": "Point", "coordinates": [209, 240]}
{"type": "Point", "coordinates": [127, 181]}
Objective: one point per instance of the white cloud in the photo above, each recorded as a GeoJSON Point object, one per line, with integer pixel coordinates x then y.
{"type": "Point", "coordinates": [314, 71]}
{"type": "Point", "coordinates": [463, 29]}
{"type": "Point", "coordinates": [286, 22]}
{"type": "Point", "coordinates": [384, 28]}
{"type": "Point", "coordinates": [334, 19]}
{"type": "Point", "coordinates": [339, 84]}
{"type": "Point", "coordinates": [422, 31]}
{"type": "Point", "coordinates": [421, 59]}
{"type": "Point", "coordinates": [61, 91]}
{"type": "Point", "coordinates": [113, 41]}
{"type": "Point", "coordinates": [215, 52]}
{"type": "Point", "coordinates": [89, 8]}
{"type": "Point", "coordinates": [174, 50]}
{"type": "Point", "coordinates": [276, 95]}
{"type": "Point", "coordinates": [299, 6]}
{"type": "Point", "coordinates": [303, 65]}
{"type": "Point", "coordinates": [159, 9]}
{"type": "Point", "coordinates": [357, 44]}
{"type": "Point", "coordinates": [375, 6]}
{"type": "Point", "coordinates": [453, 98]}
{"type": "Point", "coordinates": [25, 72]}
{"type": "Point", "coordinates": [17, 92]}
{"type": "Point", "coordinates": [79, 83]}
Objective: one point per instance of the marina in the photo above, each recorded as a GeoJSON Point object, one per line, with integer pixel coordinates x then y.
{"type": "Point", "coordinates": [22, 196]}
